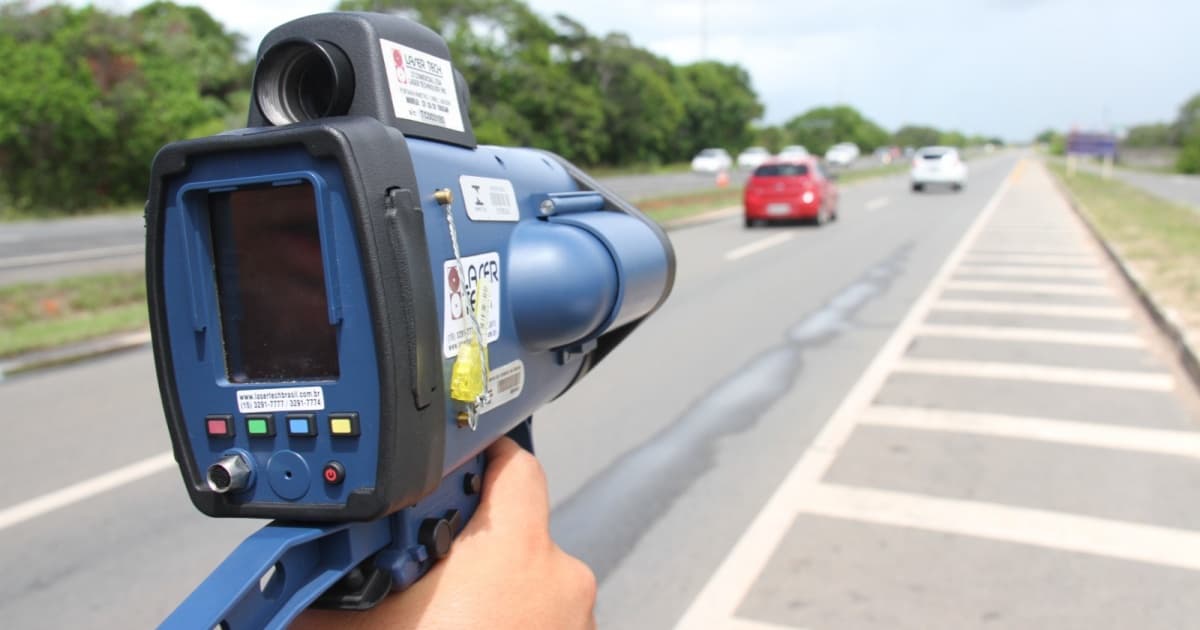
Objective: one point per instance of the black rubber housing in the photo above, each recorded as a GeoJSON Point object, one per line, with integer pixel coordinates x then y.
{"type": "Point", "coordinates": [399, 281]}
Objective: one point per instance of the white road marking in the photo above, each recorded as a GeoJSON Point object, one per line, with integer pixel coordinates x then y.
{"type": "Point", "coordinates": [728, 586]}
{"type": "Point", "coordinates": [84, 490]}
{"type": "Point", "coordinates": [1024, 308]}
{"type": "Point", "coordinates": [61, 257]}
{"type": "Point", "coordinates": [1074, 433]}
{"type": "Point", "coordinates": [1029, 287]}
{"type": "Point", "coordinates": [1151, 381]}
{"type": "Point", "coordinates": [1052, 530]}
{"type": "Point", "coordinates": [877, 203]}
{"type": "Point", "coordinates": [1038, 272]}
{"type": "Point", "coordinates": [758, 246]}
{"type": "Point", "coordinates": [1040, 335]}
{"type": "Point", "coordinates": [1068, 260]}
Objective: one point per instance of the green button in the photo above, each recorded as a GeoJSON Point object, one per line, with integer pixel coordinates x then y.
{"type": "Point", "coordinates": [257, 426]}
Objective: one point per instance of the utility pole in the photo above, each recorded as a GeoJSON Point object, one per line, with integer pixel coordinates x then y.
{"type": "Point", "coordinates": [703, 30]}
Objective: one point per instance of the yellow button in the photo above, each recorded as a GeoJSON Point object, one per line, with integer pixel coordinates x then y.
{"type": "Point", "coordinates": [340, 426]}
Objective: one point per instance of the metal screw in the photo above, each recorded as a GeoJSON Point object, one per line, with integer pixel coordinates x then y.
{"type": "Point", "coordinates": [444, 196]}
{"type": "Point", "coordinates": [547, 207]}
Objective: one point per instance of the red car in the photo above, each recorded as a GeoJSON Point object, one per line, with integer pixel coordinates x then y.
{"type": "Point", "coordinates": [795, 188]}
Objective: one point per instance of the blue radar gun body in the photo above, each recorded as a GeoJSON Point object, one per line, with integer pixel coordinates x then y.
{"type": "Point", "coordinates": [313, 280]}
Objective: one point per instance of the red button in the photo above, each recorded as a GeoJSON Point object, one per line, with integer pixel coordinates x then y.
{"type": "Point", "coordinates": [219, 426]}
{"type": "Point", "coordinates": [333, 473]}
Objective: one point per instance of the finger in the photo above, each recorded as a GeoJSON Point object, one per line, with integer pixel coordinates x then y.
{"type": "Point", "coordinates": [514, 488]}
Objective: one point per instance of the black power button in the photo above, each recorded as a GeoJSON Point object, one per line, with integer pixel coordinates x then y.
{"type": "Point", "coordinates": [333, 473]}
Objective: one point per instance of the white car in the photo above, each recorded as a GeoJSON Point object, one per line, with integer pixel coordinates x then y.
{"type": "Point", "coordinates": [712, 161]}
{"type": "Point", "coordinates": [937, 165]}
{"type": "Point", "coordinates": [842, 154]}
{"type": "Point", "coordinates": [793, 151]}
{"type": "Point", "coordinates": [753, 157]}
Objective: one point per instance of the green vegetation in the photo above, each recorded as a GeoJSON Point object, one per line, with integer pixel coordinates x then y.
{"type": "Point", "coordinates": [43, 315]}
{"type": "Point", "coordinates": [666, 209]}
{"type": "Point", "coordinates": [822, 127]}
{"type": "Point", "coordinates": [1158, 238]}
{"type": "Point", "coordinates": [849, 177]}
{"type": "Point", "coordinates": [1182, 134]}
{"type": "Point", "coordinates": [594, 99]}
{"type": "Point", "coordinates": [89, 95]}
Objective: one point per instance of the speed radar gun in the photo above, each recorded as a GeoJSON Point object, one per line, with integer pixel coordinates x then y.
{"type": "Point", "coordinates": [350, 300]}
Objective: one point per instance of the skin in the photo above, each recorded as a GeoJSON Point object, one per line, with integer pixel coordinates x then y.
{"type": "Point", "coordinates": [504, 570]}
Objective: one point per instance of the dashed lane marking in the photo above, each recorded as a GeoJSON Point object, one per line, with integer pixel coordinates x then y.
{"type": "Point", "coordinates": [758, 246]}
{"type": "Point", "coordinates": [84, 490]}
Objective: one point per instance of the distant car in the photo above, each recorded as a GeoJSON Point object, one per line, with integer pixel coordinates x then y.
{"type": "Point", "coordinates": [937, 165]}
{"type": "Point", "coordinates": [712, 161]}
{"type": "Point", "coordinates": [790, 188]}
{"type": "Point", "coordinates": [793, 151]}
{"type": "Point", "coordinates": [753, 157]}
{"type": "Point", "coordinates": [842, 154]}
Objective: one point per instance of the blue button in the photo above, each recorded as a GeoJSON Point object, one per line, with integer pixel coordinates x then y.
{"type": "Point", "coordinates": [302, 424]}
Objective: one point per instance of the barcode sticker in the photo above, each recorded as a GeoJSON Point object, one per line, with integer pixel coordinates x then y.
{"type": "Point", "coordinates": [506, 383]}
{"type": "Point", "coordinates": [489, 199]}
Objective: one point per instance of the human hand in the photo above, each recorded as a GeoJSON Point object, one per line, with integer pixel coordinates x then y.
{"type": "Point", "coordinates": [503, 571]}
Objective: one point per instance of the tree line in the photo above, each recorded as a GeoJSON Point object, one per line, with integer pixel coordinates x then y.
{"type": "Point", "coordinates": [1181, 135]}
{"type": "Point", "coordinates": [89, 95]}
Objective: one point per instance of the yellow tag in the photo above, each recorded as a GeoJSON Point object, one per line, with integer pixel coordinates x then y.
{"type": "Point", "coordinates": [467, 374]}
{"type": "Point", "coordinates": [466, 377]}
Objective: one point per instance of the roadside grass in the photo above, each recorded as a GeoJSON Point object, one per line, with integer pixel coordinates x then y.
{"type": "Point", "coordinates": [849, 177]}
{"type": "Point", "coordinates": [11, 213]}
{"type": "Point", "coordinates": [1160, 239]}
{"type": "Point", "coordinates": [639, 169]}
{"type": "Point", "coordinates": [34, 316]}
{"type": "Point", "coordinates": [664, 209]}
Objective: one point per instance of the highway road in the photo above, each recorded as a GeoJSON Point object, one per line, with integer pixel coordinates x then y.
{"type": "Point", "coordinates": [32, 251]}
{"type": "Point", "coordinates": [1182, 189]}
{"type": "Point", "coordinates": [939, 411]}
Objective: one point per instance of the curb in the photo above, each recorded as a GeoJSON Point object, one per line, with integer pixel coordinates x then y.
{"type": "Point", "coordinates": [1164, 318]}
{"type": "Point", "coordinates": [72, 353]}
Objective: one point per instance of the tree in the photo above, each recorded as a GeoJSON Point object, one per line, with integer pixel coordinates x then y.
{"type": "Point", "coordinates": [89, 96]}
{"type": "Point", "coordinates": [822, 127]}
{"type": "Point", "coordinates": [1148, 136]}
{"type": "Point", "coordinates": [916, 136]}
{"type": "Point", "coordinates": [719, 104]}
{"type": "Point", "coordinates": [1187, 130]}
{"type": "Point", "coordinates": [1045, 136]}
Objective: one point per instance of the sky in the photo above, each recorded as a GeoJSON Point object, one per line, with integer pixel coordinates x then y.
{"type": "Point", "coordinates": [1008, 68]}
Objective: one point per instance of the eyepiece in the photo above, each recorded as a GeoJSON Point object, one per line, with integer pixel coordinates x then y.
{"type": "Point", "coordinates": [230, 474]}
{"type": "Point", "coordinates": [303, 79]}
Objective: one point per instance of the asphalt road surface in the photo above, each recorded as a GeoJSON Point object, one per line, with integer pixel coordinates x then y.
{"type": "Point", "coordinates": [1183, 189]}
{"type": "Point", "coordinates": [32, 251]}
{"type": "Point", "coordinates": [939, 411]}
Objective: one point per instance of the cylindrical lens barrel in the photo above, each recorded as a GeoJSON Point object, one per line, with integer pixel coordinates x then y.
{"type": "Point", "coordinates": [299, 80]}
